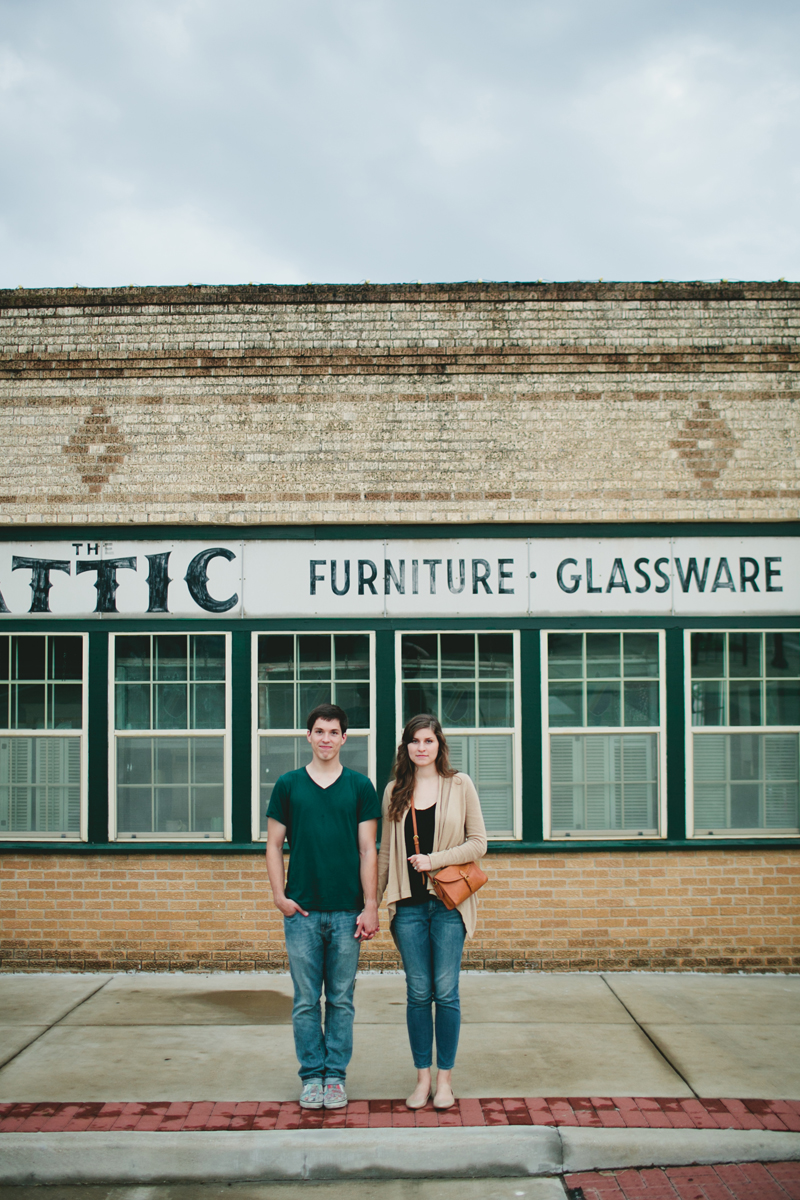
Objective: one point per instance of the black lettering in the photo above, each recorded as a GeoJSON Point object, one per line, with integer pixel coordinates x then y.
{"type": "Point", "coordinates": [158, 581]}
{"type": "Point", "coordinates": [502, 574]}
{"type": "Point", "coordinates": [197, 580]}
{"type": "Point", "coordinates": [575, 580]}
{"type": "Point", "coordinates": [622, 582]}
{"type": "Point", "coordinates": [481, 578]}
{"type": "Point", "coordinates": [745, 578]}
{"type": "Point", "coordinates": [77, 548]}
{"type": "Point", "coordinates": [637, 568]}
{"type": "Point", "coordinates": [664, 585]}
{"type": "Point", "coordinates": [723, 581]}
{"type": "Point", "coordinates": [367, 580]}
{"type": "Point", "coordinates": [3, 606]}
{"type": "Point", "coordinates": [415, 576]}
{"type": "Point", "coordinates": [432, 564]}
{"type": "Point", "coordinates": [40, 569]}
{"type": "Point", "coordinates": [771, 573]}
{"type": "Point", "coordinates": [106, 582]}
{"type": "Point", "coordinates": [589, 587]}
{"type": "Point", "coordinates": [340, 591]}
{"type": "Point", "coordinates": [313, 577]}
{"type": "Point", "coordinates": [692, 572]}
{"type": "Point", "coordinates": [391, 577]}
{"type": "Point", "coordinates": [462, 577]}
{"type": "Point", "coordinates": [93, 548]}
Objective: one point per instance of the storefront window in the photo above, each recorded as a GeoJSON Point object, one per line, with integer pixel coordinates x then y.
{"type": "Point", "coordinates": [468, 681]}
{"type": "Point", "coordinates": [745, 703]}
{"type": "Point", "coordinates": [604, 714]}
{"type": "Point", "coordinates": [41, 688]}
{"type": "Point", "coordinates": [294, 673]}
{"type": "Point", "coordinates": [171, 722]}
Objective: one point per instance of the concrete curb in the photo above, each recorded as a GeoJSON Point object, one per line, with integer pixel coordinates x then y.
{"type": "Point", "coordinates": [123, 1158]}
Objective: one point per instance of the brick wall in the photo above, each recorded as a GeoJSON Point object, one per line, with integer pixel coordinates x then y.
{"type": "Point", "coordinates": [670, 910]}
{"type": "Point", "coordinates": [580, 402]}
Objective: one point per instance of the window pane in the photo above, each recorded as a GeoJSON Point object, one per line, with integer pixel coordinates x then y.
{"type": "Point", "coordinates": [27, 706]}
{"type": "Point", "coordinates": [603, 655]}
{"type": "Point", "coordinates": [744, 655]}
{"type": "Point", "coordinates": [603, 704]}
{"type": "Point", "coordinates": [66, 658]}
{"type": "Point", "coordinates": [489, 761]}
{"type": "Point", "coordinates": [352, 656]}
{"type": "Point", "coordinates": [169, 703]}
{"type": "Point", "coordinates": [208, 656]}
{"type": "Point", "coordinates": [744, 702]}
{"type": "Point", "coordinates": [746, 781]}
{"type": "Point", "coordinates": [171, 760]}
{"type": "Point", "coordinates": [134, 761]}
{"type": "Point", "coordinates": [170, 656]}
{"type": "Point", "coordinates": [3, 706]}
{"type": "Point", "coordinates": [276, 706]}
{"type": "Point", "coordinates": [135, 810]}
{"type": "Point", "coordinates": [496, 704]}
{"type": "Point", "coordinates": [566, 704]}
{"type": "Point", "coordinates": [314, 654]}
{"type": "Point", "coordinates": [354, 699]}
{"type": "Point", "coordinates": [421, 696]}
{"type": "Point", "coordinates": [40, 785]}
{"type": "Point", "coordinates": [783, 703]}
{"type": "Point", "coordinates": [277, 755]}
{"type": "Point", "coordinates": [355, 754]}
{"type": "Point", "coordinates": [420, 656]}
{"type": "Point", "coordinates": [708, 703]}
{"type": "Point", "coordinates": [27, 657]}
{"type": "Point", "coordinates": [782, 654]}
{"type": "Point", "coordinates": [495, 656]}
{"type": "Point", "coordinates": [458, 656]}
{"type": "Point", "coordinates": [641, 703]}
{"type": "Point", "coordinates": [171, 806]}
{"type": "Point", "coordinates": [208, 706]}
{"type": "Point", "coordinates": [641, 655]}
{"type": "Point", "coordinates": [65, 709]}
{"type": "Point", "coordinates": [133, 705]}
{"type": "Point", "coordinates": [601, 784]}
{"type": "Point", "coordinates": [458, 704]}
{"type": "Point", "coordinates": [4, 663]}
{"type": "Point", "coordinates": [132, 658]}
{"type": "Point", "coordinates": [170, 785]}
{"type": "Point", "coordinates": [565, 655]}
{"type": "Point", "coordinates": [276, 656]}
{"type": "Point", "coordinates": [309, 695]}
{"type": "Point", "coordinates": [708, 655]}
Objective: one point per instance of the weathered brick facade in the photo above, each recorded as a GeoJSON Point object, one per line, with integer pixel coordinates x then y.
{"type": "Point", "coordinates": [466, 403]}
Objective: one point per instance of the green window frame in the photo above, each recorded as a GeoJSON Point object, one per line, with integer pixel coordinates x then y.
{"type": "Point", "coordinates": [604, 734]}
{"type": "Point", "coordinates": [43, 736]}
{"type": "Point", "coordinates": [170, 736]}
{"type": "Point", "coordinates": [293, 672]}
{"type": "Point", "coordinates": [743, 732]}
{"type": "Point", "coordinates": [470, 680]}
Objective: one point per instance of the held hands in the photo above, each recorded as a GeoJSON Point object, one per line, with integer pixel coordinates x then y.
{"type": "Point", "coordinates": [368, 923]}
{"type": "Point", "coordinates": [420, 862]}
{"type": "Point", "coordinates": [289, 907]}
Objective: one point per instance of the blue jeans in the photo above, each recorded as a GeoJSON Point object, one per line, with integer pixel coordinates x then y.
{"type": "Point", "coordinates": [323, 951]}
{"type": "Point", "coordinates": [430, 938]}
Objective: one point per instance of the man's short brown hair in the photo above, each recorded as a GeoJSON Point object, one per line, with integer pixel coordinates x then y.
{"type": "Point", "coordinates": [327, 712]}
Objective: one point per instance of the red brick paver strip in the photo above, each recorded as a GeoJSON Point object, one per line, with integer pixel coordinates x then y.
{"type": "Point", "coordinates": [598, 1112]}
{"type": "Point", "coordinates": [745, 1181]}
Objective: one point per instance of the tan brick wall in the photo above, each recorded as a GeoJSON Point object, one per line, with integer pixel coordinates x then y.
{"type": "Point", "coordinates": [270, 405]}
{"type": "Point", "coordinates": [672, 910]}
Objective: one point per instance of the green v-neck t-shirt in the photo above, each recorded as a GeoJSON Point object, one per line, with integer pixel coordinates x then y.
{"type": "Point", "coordinates": [322, 832]}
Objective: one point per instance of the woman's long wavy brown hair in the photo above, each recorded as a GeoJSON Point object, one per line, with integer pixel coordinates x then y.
{"type": "Point", "coordinates": [404, 770]}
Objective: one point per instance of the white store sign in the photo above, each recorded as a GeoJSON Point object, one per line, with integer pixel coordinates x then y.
{"type": "Point", "coordinates": [466, 577]}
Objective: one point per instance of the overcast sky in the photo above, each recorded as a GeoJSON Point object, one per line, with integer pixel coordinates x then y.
{"type": "Point", "coordinates": [224, 141]}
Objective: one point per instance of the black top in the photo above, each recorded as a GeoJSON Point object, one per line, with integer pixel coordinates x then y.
{"type": "Point", "coordinates": [426, 822]}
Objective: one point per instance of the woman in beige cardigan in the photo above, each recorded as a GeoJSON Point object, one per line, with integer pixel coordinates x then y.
{"type": "Point", "coordinates": [429, 936]}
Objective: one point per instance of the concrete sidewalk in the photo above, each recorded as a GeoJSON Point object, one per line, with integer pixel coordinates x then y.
{"type": "Point", "coordinates": [229, 1037]}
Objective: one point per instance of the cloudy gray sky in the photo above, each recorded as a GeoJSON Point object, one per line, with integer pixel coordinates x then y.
{"type": "Point", "coordinates": [223, 141]}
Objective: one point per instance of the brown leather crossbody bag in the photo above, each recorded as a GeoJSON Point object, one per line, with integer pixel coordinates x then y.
{"type": "Point", "coordinates": [453, 885]}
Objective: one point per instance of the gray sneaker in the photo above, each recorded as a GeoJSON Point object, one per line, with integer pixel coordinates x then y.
{"type": "Point", "coordinates": [311, 1095]}
{"type": "Point", "coordinates": [335, 1095]}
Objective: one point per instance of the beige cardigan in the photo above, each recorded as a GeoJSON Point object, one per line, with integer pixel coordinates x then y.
{"type": "Point", "coordinates": [459, 836]}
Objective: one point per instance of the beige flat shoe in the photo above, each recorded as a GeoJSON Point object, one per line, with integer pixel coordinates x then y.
{"type": "Point", "coordinates": [441, 1104]}
{"type": "Point", "coordinates": [414, 1107]}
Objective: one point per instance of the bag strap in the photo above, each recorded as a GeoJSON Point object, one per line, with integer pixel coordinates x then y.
{"type": "Point", "coordinates": [414, 823]}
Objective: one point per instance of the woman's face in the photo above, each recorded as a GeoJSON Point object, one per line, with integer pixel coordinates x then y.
{"type": "Point", "coordinates": [423, 747]}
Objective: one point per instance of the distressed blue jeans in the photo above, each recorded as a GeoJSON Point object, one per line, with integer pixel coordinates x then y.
{"type": "Point", "coordinates": [323, 952]}
{"type": "Point", "coordinates": [430, 938]}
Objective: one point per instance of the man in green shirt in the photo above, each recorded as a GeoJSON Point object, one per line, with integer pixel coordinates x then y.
{"type": "Point", "coordinates": [329, 815]}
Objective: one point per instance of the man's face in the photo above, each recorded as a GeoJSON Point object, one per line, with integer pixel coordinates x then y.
{"type": "Point", "coordinates": [326, 739]}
